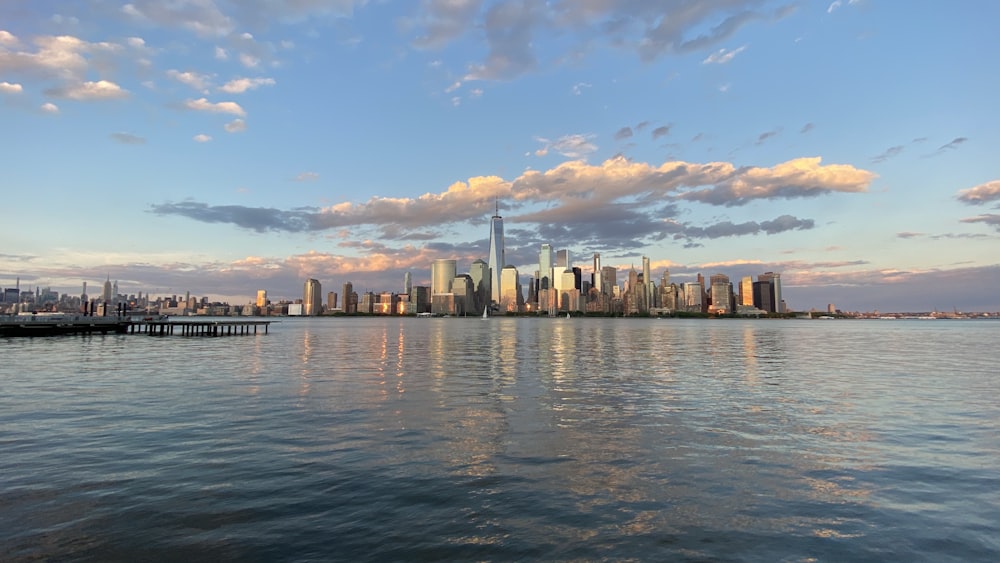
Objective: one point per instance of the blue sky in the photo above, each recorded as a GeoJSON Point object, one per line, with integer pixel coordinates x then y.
{"type": "Point", "coordinates": [221, 147]}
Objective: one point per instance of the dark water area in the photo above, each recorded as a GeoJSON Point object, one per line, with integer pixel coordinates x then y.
{"type": "Point", "coordinates": [507, 439]}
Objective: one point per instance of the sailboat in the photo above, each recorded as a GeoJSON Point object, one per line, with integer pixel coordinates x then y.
{"type": "Point", "coordinates": [486, 312]}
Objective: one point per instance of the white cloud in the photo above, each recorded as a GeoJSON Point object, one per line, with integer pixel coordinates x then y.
{"type": "Point", "coordinates": [202, 104]}
{"type": "Point", "coordinates": [249, 60]}
{"type": "Point", "coordinates": [983, 193]}
{"type": "Point", "coordinates": [202, 138]}
{"type": "Point", "coordinates": [9, 88]}
{"type": "Point", "coordinates": [571, 146]}
{"type": "Point", "coordinates": [128, 138]}
{"type": "Point", "coordinates": [49, 107]}
{"type": "Point", "coordinates": [578, 88]}
{"type": "Point", "coordinates": [723, 56]}
{"type": "Point", "coordinates": [307, 177]}
{"type": "Point", "coordinates": [240, 85]}
{"type": "Point", "coordinates": [202, 17]}
{"type": "Point", "coordinates": [833, 6]}
{"type": "Point", "coordinates": [235, 126]}
{"type": "Point", "coordinates": [200, 82]}
{"type": "Point", "coordinates": [87, 91]}
{"type": "Point", "coordinates": [221, 54]}
{"type": "Point", "coordinates": [7, 38]}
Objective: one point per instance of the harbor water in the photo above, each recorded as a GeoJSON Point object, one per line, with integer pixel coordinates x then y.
{"type": "Point", "coordinates": [402, 439]}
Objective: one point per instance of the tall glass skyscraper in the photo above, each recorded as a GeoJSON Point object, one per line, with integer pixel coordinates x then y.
{"type": "Point", "coordinates": [496, 257]}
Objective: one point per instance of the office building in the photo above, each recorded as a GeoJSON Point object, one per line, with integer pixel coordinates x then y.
{"type": "Point", "coordinates": [496, 256]}
{"type": "Point", "coordinates": [442, 274]}
{"type": "Point", "coordinates": [312, 298]}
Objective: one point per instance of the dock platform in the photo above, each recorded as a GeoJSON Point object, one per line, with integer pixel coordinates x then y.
{"type": "Point", "coordinates": [196, 328]}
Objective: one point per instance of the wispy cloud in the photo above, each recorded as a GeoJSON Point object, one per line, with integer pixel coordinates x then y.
{"type": "Point", "coordinates": [807, 128]}
{"type": "Point", "coordinates": [661, 131]}
{"type": "Point", "coordinates": [949, 146]}
{"type": "Point", "coordinates": [9, 88]}
{"type": "Point", "coordinates": [198, 81]}
{"type": "Point", "coordinates": [887, 154]}
{"type": "Point", "coordinates": [767, 135]}
{"type": "Point", "coordinates": [571, 146]}
{"type": "Point", "coordinates": [623, 133]}
{"type": "Point", "coordinates": [989, 219]}
{"type": "Point", "coordinates": [128, 138]}
{"type": "Point", "coordinates": [235, 126]}
{"type": "Point", "coordinates": [202, 138]}
{"type": "Point", "coordinates": [723, 56]}
{"type": "Point", "coordinates": [307, 177]}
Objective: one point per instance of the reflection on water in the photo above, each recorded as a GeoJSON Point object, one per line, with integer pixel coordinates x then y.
{"type": "Point", "coordinates": [506, 439]}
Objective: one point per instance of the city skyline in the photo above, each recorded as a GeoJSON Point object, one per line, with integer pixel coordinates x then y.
{"type": "Point", "coordinates": [222, 147]}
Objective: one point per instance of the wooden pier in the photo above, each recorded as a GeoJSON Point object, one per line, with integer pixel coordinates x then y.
{"type": "Point", "coordinates": [196, 328]}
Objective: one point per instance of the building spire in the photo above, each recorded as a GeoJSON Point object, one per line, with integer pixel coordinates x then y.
{"type": "Point", "coordinates": [497, 199]}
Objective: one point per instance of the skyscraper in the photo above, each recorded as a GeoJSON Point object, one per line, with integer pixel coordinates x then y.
{"type": "Point", "coordinates": [546, 260]}
{"type": "Point", "coordinates": [597, 273]}
{"type": "Point", "coordinates": [442, 274]}
{"type": "Point", "coordinates": [775, 280]}
{"type": "Point", "coordinates": [348, 304]}
{"type": "Point", "coordinates": [312, 298]}
{"type": "Point", "coordinates": [106, 296]}
{"type": "Point", "coordinates": [746, 291]}
{"type": "Point", "coordinates": [496, 257]}
{"type": "Point", "coordinates": [480, 273]}
{"type": "Point", "coordinates": [261, 297]}
{"type": "Point", "coordinates": [407, 283]}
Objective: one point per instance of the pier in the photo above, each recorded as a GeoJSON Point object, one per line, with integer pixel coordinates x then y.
{"type": "Point", "coordinates": [58, 324]}
{"type": "Point", "coordinates": [196, 328]}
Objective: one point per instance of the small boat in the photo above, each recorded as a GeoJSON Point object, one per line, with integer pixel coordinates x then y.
{"type": "Point", "coordinates": [486, 311]}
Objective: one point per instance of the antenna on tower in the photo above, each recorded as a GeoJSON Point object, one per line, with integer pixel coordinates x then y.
{"type": "Point", "coordinates": [497, 198]}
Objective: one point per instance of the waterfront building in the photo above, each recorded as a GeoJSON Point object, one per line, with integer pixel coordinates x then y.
{"type": "Point", "coordinates": [746, 291]}
{"type": "Point", "coordinates": [693, 295]}
{"type": "Point", "coordinates": [597, 272]}
{"type": "Point", "coordinates": [442, 273]}
{"type": "Point", "coordinates": [107, 295]}
{"type": "Point", "coordinates": [721, 294]}
{"type": "Point", "coordinates": [546, 262]}
{"type": "Point", "coordinates": [387, 304]}
{"type": "Point", "coordinates": [261, 298]}
{"type": "Point", "coordinates": [349, 298]}
{"type": "Point", "coordinates": [312, 298]}
{"type": "Point", "coordinates": [496, 257]}
{"type": "Point", "coordinates": [479, 271]}
{"type": "Point", "coordinates": [609, 280]}
{"type": "Point", "coordinates": [407, 283]}
{"type": "Point", "coordinates": [510, 300]}
{"type": "Point", "coordinates": [777, 305]}
{"type": "Point", "coordinates": [331, 301]}
{"type": "Point", "coordinates": [465, 296]}
{"type": "Point", "coordinates": [420, 300]}
{"type": "Point", "coordinates": [763, 296]}
{"type": "Point", "coordinates": [366, 305]}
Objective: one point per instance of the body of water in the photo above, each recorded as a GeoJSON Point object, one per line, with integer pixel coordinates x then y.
{"type": "Point", "coordinates": [508, 439]}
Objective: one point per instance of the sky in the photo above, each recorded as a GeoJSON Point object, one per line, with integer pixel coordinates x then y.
{"type": "Point", "coordinates": [219, 147]}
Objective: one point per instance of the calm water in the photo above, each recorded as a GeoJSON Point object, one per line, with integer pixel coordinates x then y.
{"type": "Point", "coordinates": [544, 439]}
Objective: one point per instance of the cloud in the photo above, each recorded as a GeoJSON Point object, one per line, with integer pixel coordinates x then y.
{"type": "Point", "coordinates": [983, 193]}
{"type": "Point", "coordinates": [833, 6]}
{"type": "Point", "coordinates": [802, 177]}
{"type": "Point", "coordinates": [578, 88]}
{"type": "Point", "coordinates": [202, 138]}
{"type": "Point", "coordinates": [442, 21]}
{"type": "Point", "coordinates": [49, 107]}
{"type": "Point", "coordinates": [8, 88]}
{"type": "Point", "coordinates": [623, 133]}
{"type": "Point", "coordinates": [807, 128]}
{"type": "Point", "coordinates": [195, 80]}
{"type": "Point", "coordinates": [235, 126]}
{"type": "Point", "coordinates": [128, 138]}
{"type": "Point", "coordinates": [88, 91]}
{"type": "Point", "coordinates": [249, 61]}
{"type": "Point", "coordinates": [951, 145]}
{"type": "Point", "coordinates": [240, 85]}
{"type": "Point", "coordinates": [661, 131]}
{"type": "Point", "coordinates": [989, 219]}
{"type": "Point", "coordinates": [618, 204]}
{"type": "Point", "coordinates": [729, 229]}
{"type": "Point", "coordinates": [510, 29]}
{"type": "Point", "coordinates": [202, 17]}
{"type": "Point", "coordinates": [887, 154]}
{"type": "Point", "coordinates": [723, 56]}
{"type": "Point", "coordinates": [571, 146]}
{"type": "Point", "coordinates": [202, 104]}
{"type": "Point", "coordinates": [307, 177]}
{"type": "Point", "coordinates": [909, 235]}
{"type": "Point", "coordinates": [767, 135]}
